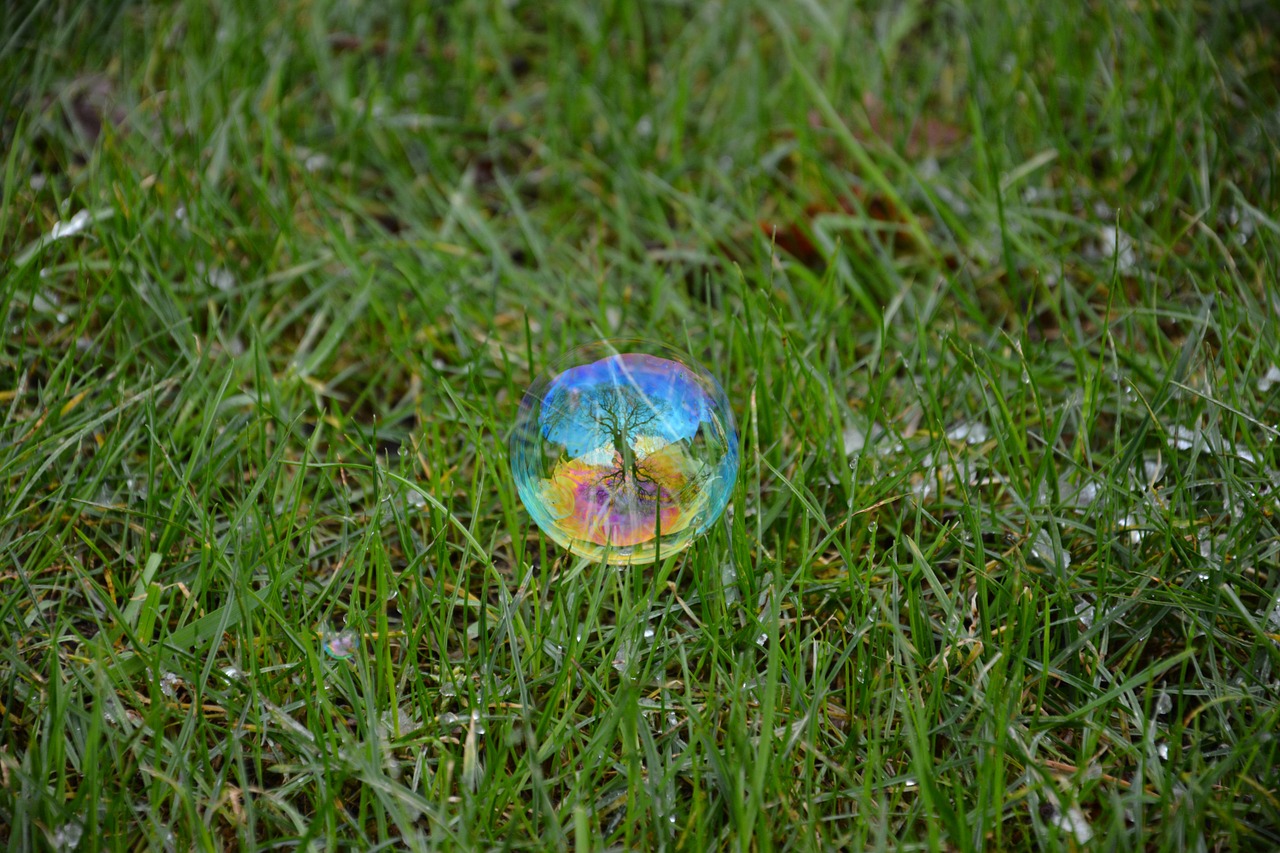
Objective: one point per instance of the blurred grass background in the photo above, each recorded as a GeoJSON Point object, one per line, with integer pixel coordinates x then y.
{"type": "Point", "coordinates": [992, 289]}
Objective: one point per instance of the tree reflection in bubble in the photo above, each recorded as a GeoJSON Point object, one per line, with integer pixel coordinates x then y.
{"type": "Point", "coordinates": [624, 455]}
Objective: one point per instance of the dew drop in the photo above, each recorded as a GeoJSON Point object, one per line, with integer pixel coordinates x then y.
{"type": "Point", "coordinates": [169, 684]}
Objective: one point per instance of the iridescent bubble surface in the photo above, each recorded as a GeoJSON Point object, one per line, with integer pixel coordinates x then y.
{"type": "Point", "coordinates": [340, 644]}
{"type": "Point", "coordinates": [625, 451]}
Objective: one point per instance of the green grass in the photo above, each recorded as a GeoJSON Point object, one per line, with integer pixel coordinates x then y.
{"type": "Point", "coordinates": [993, 292]}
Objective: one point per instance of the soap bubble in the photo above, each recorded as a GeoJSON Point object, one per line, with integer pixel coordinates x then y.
{"type": "Point", "coordinates": [340, 644]}
{"type": "Point", "coordinates": [625, 450]}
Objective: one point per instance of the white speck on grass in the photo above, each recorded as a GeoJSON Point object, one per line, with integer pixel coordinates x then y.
{"type": "Point", "coordinates": [315, 163]}
{"type": "Point", "coordinates": [1184, 438]}
{"type": "Point", "coordinates": [1084, 612]}
{"type": "Point", "coordinates": [729, 583]}
{"type": "Point", "coordinates": [1242, 222]}
{"type": "Point", "coordinates": [415, 499]}
{"type": "Point", "coordinates": [1042, 549]}
{"type": "Point", "coordinates": [1131, 524]}
{"type": "Point", "coordinates": [1162, 750]}
{"type": "Point", "coordinates": [478, 722]}
{"type": "Point", "coordinates": [1070, 820]}
{"type": "Point", "coordinates": [856, 439]}
{"type": "Point", "coordinates": [47, 303]}
{"type": "Point", "coordinates": [970, 432]}
{"type": "Point", "coordinates": [169, 684]}
{"type": "Point", "coordinates": [216, 277]}
{"type": "Point", "coordinates": [1273, 618]}
{"type": "Point", "coordinates": [613, 317]}
{"type": "Point", "coordinates": [622, 660]}
{"type": "Point", "coordinates": [1118, 247]}
{"type": "Point", "coordinates": [67, 836]}
{"type": "Point", "coordinates": [649, 634]}
{"type": "Point", "coordinates": [1271, 377]}
{"type": "Point", "coordinates": [396, 724]}
{"type": "Point", "coordinates": [1164, 704]}
{"type": "Point", "coordinates": [72, 226]}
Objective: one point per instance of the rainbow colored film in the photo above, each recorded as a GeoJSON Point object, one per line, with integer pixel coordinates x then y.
{"type": "Point", "coordinates": [625, 456]}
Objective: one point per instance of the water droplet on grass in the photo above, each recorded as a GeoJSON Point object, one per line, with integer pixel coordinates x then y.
{"type": "Point", "coordinates": [1164, 704]}
{"type": "Point", "coordinates": [169, 684]}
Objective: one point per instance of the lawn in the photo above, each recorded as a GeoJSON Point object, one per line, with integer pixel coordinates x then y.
{"type": "Point", "coordinates": [991, 288]}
